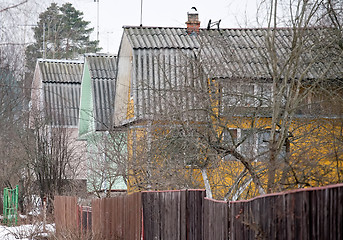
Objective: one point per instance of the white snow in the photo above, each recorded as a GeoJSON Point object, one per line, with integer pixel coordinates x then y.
{"type": "Point", "coordinates": [24, 232]}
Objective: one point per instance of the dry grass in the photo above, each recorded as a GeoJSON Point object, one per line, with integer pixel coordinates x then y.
{"type": "Point", "coordinates": [74, 235]}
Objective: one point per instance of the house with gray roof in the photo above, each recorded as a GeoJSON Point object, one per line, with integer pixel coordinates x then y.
{"type": "Point", "coordinates": [79, 96]}
{"type": "Point", "coordinates": [97, 93]}
{"type": "Point", "coordinates": [106, 147]}
{"type": "Point", "coordinates": [55, 101]}
{"type": "Point", "coordinates": [56, 91]}
{"type": "Point", "coordinates": [153, 60]}
{"type": "Point", "coordinates": [164, 73]}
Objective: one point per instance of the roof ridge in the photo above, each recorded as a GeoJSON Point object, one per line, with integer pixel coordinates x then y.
{"type": "Point", "coordinates": [61, 82]}
{"type": "Point", "coordinates": [100, 55]}
{"type": "Point", "coordinates": [60, 61]}
{"type": "Point", "coordinates": [234, 28]}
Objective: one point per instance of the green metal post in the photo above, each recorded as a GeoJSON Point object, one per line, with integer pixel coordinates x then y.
{"type": "Point", "coordinates": [10, 206]}
{"type": "Point", "coordinates": [5, 206]}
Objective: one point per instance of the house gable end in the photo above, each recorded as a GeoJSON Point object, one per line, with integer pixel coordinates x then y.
{"type": "Point", "coordinates": [124, 82]}
{"type": "Point", "coordinates": [86, 115]}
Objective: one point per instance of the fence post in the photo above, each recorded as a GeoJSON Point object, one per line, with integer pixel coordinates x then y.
{"type": "Point", "coordinates": [10, 206]}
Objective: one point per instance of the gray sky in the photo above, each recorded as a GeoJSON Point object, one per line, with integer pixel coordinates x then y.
{"type": "Point", "coordinates": [113, 15]}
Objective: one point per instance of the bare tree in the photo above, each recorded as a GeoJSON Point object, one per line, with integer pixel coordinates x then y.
{"type": "Point", "coordinates": [11, 100]}
{"type": "Point", "coordinates": [13, 106]}
{"type": "Point", "coordinates": [40, 159]}
{"type": "Point", "coordinates": [244, 126]}
{"type": "Point", "coordinates": [107, 164]}
{"type": "Point", "coordinates": [52, 159]}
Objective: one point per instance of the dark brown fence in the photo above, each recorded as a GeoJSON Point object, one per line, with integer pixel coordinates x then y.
{"type": "Point", "coordinates": [173, 214]}
{"type": "Point", "coordinates": [216, 219]}
{"type": "Point", "coordinates": [66, 214]}
{"type": "Point", "coordinates": [118, 218]}
{"type": "Point", "coordinates": [314, 213]}
{"type": "Point", "coordinates": [149, 215]}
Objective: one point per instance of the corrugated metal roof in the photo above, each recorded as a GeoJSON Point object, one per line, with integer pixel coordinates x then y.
{"type": "Point", "coordinates": [103, 70]}
{"type": "Point", "coordinates": [61, 71]}
{"type": "Point", "coordinates": [62, 103]}
{"type": "Point", "coordinates": [169, 58]}
{"type": "Point", "coordinates": [160, 78]}
{"type": "Point", "coordinates": [61, 89]}
{"type": "Point", "coordinates": [159, 37]}
{"type": "Point", "coordinates": [235, 52]}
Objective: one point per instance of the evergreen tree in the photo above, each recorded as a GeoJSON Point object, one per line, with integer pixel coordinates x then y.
{"type": "Point", "coordinates": [61, 33]}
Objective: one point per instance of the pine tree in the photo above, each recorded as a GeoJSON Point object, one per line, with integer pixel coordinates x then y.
{"type": "Point", "coordinates": [61, 33]}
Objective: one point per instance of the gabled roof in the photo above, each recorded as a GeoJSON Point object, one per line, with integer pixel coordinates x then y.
{"type": "Point", "coordinates": [103, 70]}
{"type": "Point", "coordinates": [60, 71]}
{"type": "Point", "coordinates": [98, 90]}
{"type": "Point", "coordinates": [161, 37]}
{"type": "Point", "coordinates": [61, 83]}
{"type": "Point", "coordinates": [168, 61]}
{"type": "Point", "coordinates": [239, 53]}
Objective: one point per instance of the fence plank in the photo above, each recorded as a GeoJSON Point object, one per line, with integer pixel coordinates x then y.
{"type": "Point", "coordinates": [66, 214]}
{"type": "Point", "coordinates": [117, 218]}
{"type": "Point", "coordinates": [314, 213]}
{"type": "Point", "coordinates": [215, 216]}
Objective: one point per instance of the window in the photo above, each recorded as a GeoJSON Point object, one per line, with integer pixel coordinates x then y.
{"type": "Point", "coordinates": [247, 95]}
{"type": "Point", "coordinates": [319, 103]}
{"type": "Point", "coordinates": [265, 95]}
{"type": "Point", "coordinates": [230, 137]}
{"type": "Point", "coordinates": [244, 139]}
{"type": "Point", "coordinates": [230, 96]}
{"type": "Point", "coordinates": [263, 139]}
{"type": "Point", "coordinates": [248, 140]}
{"type": "Point", "coordinates": [251, 144]}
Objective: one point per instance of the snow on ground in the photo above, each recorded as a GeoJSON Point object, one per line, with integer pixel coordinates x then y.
{"type": "Point", "coordinates": [24, 232]}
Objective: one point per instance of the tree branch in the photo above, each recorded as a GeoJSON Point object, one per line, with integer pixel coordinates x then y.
{"type": "Point", "coordinates": [13, 6]}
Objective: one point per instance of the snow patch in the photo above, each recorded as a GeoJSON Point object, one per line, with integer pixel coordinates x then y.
{"type": "Point", "coordinates": [25, 232]}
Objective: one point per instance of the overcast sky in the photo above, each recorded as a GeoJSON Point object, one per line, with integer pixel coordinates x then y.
{"type": "Point", "coordinates": [114, 14]}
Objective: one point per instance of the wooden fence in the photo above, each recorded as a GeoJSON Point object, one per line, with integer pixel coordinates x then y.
{"type": "Point", "coordinates": [173, 214]}
{"type": "Point", "coordinates": [216, 219]}
{"type": "Point", "coordinates": [117, 218]}
{"type": "Point", "coordinates": [66, 214]}
{"type": "Point", "coordinates": [313, 213]}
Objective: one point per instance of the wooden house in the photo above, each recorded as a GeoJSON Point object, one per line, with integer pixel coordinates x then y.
{"type": "Point", "coordinates": [105, 147]}
{"type": "Point", "coordinates": [54, 114]}
{"type": "Point", "coordinates": [238, 111]}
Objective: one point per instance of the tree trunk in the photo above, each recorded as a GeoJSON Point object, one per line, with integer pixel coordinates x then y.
{"type": "Point", "coordinates": [206, 183]}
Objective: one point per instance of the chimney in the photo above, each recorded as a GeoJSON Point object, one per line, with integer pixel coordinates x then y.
{"type": "Point", "coordinates": [193, 23]}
